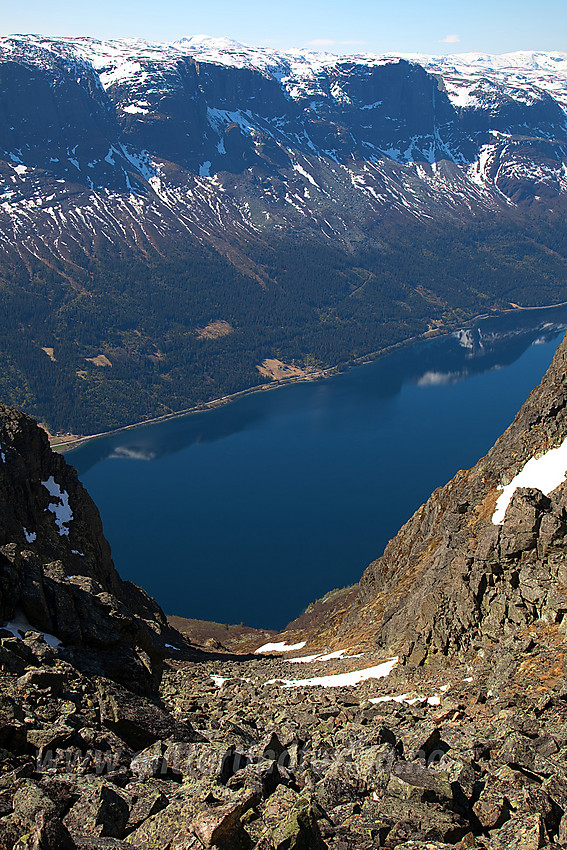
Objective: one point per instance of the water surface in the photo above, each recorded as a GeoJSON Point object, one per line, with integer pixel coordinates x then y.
{"type": "Point", "coordinates": [250, 511]}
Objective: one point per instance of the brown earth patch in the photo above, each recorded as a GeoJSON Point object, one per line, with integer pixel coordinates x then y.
{"type": "Point", "coordinates": [236, 638]}
{"type": "Point", "coordinates": [277, 370]}
{"type": "Point", "coordinates": [215, 330]}
{"type": "Point", "coordinates": [99, 360]}
{"type": "Point", "coordinates": [49, 352]}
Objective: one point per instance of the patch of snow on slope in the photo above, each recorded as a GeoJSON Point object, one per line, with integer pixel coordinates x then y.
{"type": "Point", "coordinates": [412, 699]}
{"type": "Point", "coordinates": [120, 73]}
{"type": "Point", "coordinates": [30, 536]}
{"type": "Point", "coordinates": [341, 680]}
{"type": "Point", "coordinates": [546, 473]}
{"type": "Point", "coordinates": [61, 509]}
{"type": "Point", "coordinates": [306, 659]}
{"type": "Point", "coordinates": [279, 647]}
{"type": "Point", "coordinates": [140, 160]}
{"type": "Point", "coordinates": [305, 174]}
{"type": "Point", "coordinates": [218, 119]}
{"type": "Point", "coordinates": [20, 625]}
{"type": "Point", "coordinates": [135, 109]}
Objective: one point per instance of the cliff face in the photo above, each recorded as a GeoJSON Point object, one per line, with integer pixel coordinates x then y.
{"type": "Point", "coordinates": [56, 571]}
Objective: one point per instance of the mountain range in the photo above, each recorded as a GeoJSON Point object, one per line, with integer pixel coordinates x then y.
{"type": "Point", "coordinates": [172, 216]}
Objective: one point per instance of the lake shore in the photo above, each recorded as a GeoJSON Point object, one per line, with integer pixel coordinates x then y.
{"type": "Point", "coordinates": [66, 443]}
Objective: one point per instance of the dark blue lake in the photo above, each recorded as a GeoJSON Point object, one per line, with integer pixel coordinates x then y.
{"type": "Point", "coordinates": [251, 511]}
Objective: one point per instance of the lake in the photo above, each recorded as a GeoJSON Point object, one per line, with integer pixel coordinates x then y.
{"type": "Point", "coordinates": [248, 512]}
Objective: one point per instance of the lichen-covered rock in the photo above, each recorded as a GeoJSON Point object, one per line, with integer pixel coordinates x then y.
{"type": "Point", "coordinates": [136, 720]}
{"type": "Point", "coordinates": [521, 832]}
{"type": "Point", "coordinates": [100, 811]}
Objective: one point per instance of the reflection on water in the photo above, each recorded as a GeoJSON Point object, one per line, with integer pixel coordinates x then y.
{"type": "Point", "coordinates": [491, 344]}
{"type": "Point", "coordinates": [250, 511]}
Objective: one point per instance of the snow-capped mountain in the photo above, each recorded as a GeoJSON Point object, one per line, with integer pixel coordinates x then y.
{"type": "Point", "coordinates": [300, 201]}
{"type": "Point", "coordinates": [202, 134]}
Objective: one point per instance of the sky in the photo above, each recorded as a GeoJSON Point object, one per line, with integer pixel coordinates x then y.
{"type": "Point", "coordinates": [356, 26]}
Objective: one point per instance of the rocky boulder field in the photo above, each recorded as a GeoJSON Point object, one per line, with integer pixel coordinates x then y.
{"type": "Point", "coordinates": [418, 712]}
{"type": "Point", "coordinates": [460, 755]}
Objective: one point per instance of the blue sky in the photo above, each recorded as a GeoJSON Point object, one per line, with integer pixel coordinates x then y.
{"type": "Point", "coordinates": [348, 26]}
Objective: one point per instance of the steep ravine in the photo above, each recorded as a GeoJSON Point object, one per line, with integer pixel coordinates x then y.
{"type": "Point", "coordinates": [423, 709]}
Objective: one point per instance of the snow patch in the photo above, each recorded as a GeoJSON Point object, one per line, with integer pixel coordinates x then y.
{"type": "Point", "coordinates": [279, 647]}
{"type": "Point", "coordinates": [61, 509]}
{"type": "Point", "coordinates": [411, 699]}
{"type": "Point", "coordinates": [307, 659]}
{"type": "Point", "coordinates": [305, 174]}
{"type": "Point", "coordinates": [546, 473]}
{"type": "Point", "coordinates": [141, 161]}
{"type": "Point", "coordinates": [20, 625]}
{"type": "Point", "coordinates": [341, 680]}
{"type": "Point", "coordinates": [30, 536]}
{"type": "Point", "coordinates": [134, 109]}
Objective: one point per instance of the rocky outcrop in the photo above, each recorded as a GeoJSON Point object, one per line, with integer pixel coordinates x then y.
{"type": "Point", "coordinates": [56, 572]}
{"type": "Point", "coordinates": [248, 763]}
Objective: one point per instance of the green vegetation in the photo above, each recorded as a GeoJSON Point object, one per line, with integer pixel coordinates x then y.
{"type": "Point", "coordinates": [318, 305]}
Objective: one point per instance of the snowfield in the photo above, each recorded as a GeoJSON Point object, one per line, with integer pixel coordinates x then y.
{"type": "Point", "coordinates": [61, 508]}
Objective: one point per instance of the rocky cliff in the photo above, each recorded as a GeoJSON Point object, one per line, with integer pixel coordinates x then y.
{"type": "Point", "coordinates": [56, 571]}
